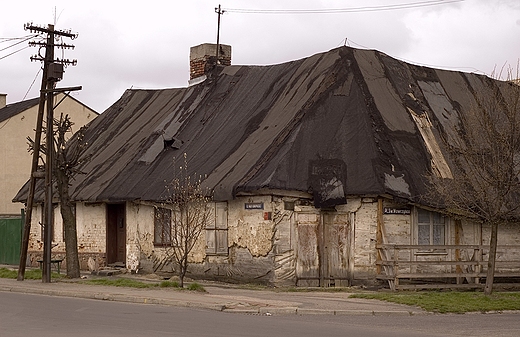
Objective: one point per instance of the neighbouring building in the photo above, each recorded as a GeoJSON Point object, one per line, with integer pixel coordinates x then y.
{"type": "Point", "coordinates": [316, 165]}
{"type": "Point", "coordinates": [17, 122]}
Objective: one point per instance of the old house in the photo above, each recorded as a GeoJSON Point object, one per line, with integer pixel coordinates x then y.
{"type": "Point", "coordinates": [315, 164]}
{"type": "Point", "coordinates": [17, 122]}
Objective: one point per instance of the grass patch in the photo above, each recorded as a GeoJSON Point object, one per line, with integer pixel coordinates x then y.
{"type": "Point", "coordinates": [451, 301]}
{"type": "Point", "coordinates": [8, 273]}
{"type": "Point", "coordinates": [30, 274]}
{"type": "Point", "coordinates": [169, 284]}
{"type": "Point", "coordinates": [120, 282]}
{"type": "Point", "coordinates": [196, 287]}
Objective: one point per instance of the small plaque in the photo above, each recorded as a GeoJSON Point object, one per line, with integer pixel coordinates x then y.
{"type": "Point", "coordinates": [400, 211]}
{"type": "Point", "coordinates": [254, 205]}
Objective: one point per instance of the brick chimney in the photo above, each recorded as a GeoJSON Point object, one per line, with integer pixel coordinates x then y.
{"type": "Point", "coordinates": [3, 100]}
{"type": "Point", "coordinates": [202, 58]}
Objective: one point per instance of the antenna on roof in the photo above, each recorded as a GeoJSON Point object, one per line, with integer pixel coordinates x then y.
{"type": "Point", "coordinates": [219, 11]}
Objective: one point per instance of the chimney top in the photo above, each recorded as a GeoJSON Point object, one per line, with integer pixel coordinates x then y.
{"type": "Point", "coordinates": [203, 58]}
{"type": "Point", "coordinates": [3, 100]}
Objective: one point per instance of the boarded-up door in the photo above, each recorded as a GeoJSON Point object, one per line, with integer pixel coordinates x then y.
{"type": "Point", "coordinates": [323, 249]}
{"type": "Point", "coordinates": [116, 234]}
{"type": "Point", "coordinates": [10, 240]}
{"type": "Point", "coordinates": [336, 248]}
{"type": "Point", "coordinates": [307, 252]}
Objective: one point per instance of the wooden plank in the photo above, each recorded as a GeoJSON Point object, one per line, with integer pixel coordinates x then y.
{"type": "Point", "coordinates": [458, 230]}
{"type": "Point", "coordinates": [506, 274]}
{"type": "Point", "coordinates": [435, 263]}
{"type": "Point", "coordinates": [512, 264]}
{"type": "Point", "coordinates": [448, 275]}
{"type": "Point", "coordinates": [385, 277]}
{"type": "Point", "coordinates": [431, 247]}
{"type": "Point", "coordinates": [437, 275]}
{"type": "Point", "coordinates": [388, 269]}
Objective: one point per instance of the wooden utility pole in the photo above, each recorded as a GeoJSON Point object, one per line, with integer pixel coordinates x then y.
{"type": "Point", "coordinates": [52, 73]}
{"type": "Point", "coordinates": [219, 11]}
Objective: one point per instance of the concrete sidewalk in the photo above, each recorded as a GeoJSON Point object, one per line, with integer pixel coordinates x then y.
{"type": "Point", "coordinates": [219, 297]}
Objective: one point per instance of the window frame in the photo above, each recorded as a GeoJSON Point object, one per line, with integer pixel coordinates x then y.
{"type": "Point", "coordinates": [217, 231]}
{"type": "Point", "coordinates": [432, 224]}
{"type": "Point", "coordinates": [162, 219]}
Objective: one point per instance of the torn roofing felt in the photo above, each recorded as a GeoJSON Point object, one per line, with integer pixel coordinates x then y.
{"type": "Point", "coordinates": [344, 122]}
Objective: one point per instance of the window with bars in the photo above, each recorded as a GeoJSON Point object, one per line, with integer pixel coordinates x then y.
{"type": "Point", "coordinates": [431, 228]}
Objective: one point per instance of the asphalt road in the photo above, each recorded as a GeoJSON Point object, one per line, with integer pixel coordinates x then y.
{"type": "Point", "coordinates": [40, 315]}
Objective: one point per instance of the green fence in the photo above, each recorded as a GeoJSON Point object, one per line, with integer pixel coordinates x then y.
{"type": "Point", "coordinates": [10, 239]}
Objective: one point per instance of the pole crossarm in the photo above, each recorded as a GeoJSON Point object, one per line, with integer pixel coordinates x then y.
{"type": "Point", "coordinates": [37, 29]}
{"type": "Point", "coordinates": [61, 45]}
{"type": "Point", "coordinates": [63, 89]}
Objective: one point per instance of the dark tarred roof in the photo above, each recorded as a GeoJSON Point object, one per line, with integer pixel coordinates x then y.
{"type": "Point", "coordinates": [344, 122]}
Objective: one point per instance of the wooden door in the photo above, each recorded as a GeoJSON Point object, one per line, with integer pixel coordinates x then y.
{"type": "Point", "coordinates": [116, 234]}
{"type": "Point", "coordinates": [307, 251]}
{"type": "Point", "coordinates": [336, 250]}
{"type": "Point", "coordinates": [323, 249]}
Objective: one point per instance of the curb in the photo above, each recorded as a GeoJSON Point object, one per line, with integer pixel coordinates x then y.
{"type": "Point", "coordinates": [255, 310]}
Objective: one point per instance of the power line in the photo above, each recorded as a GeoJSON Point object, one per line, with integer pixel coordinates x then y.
{"type": "Point", "coordinates": [19, 42]}
{"type": "Point", "coordinates": [16, 51]}
{"type": "Point", "coordinates": [30, 87]}
{"type": "Point", "coordinates": [345, 10]}
{"type": "Point", "coordinates": [6, 39]}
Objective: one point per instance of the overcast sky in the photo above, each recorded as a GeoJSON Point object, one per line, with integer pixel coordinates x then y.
{"type": "Point", "coordinates": [145, 44]}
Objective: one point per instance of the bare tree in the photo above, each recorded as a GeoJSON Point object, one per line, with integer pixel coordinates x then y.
{"type": "Point", "coordinates": [67, 159]}
{"type": "Point", "coordinates": [185, 214]}
{"type": "Point", "coordinates": [485, 153]}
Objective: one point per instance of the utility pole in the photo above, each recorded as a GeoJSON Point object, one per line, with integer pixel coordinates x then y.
{"type": "Point", "coordinates": [52, 73]}
{"type": "Point", "coordinates": [220, 12]}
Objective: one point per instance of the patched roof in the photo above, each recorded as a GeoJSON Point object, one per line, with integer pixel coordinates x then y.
{"type": "Point", "coordinates": [14, 109]}
{"type": "Point", "coordinates": [344, 122]}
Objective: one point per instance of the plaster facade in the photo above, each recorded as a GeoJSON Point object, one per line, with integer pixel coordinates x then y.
{"type": "Point", "coordinates": [278, 241]}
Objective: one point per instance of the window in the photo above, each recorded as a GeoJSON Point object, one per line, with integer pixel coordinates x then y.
{"type": "Point", "coordinates": [216, 232]}
{"type": "Point", "coordinates": [431, 228]}
{"type": "Point", "coordinates": [162, 226]}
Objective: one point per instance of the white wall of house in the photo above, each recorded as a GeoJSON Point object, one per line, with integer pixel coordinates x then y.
{"type": "Point", "coordinates": [91, 231]}
{"type": "Point", "coordinates": [91, 228]}
{"type": "Point", "coordinates": [274, 239]}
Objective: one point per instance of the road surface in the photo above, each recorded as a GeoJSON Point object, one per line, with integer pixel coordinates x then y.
{"type": "Point", "coordinates": [40, 315]}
